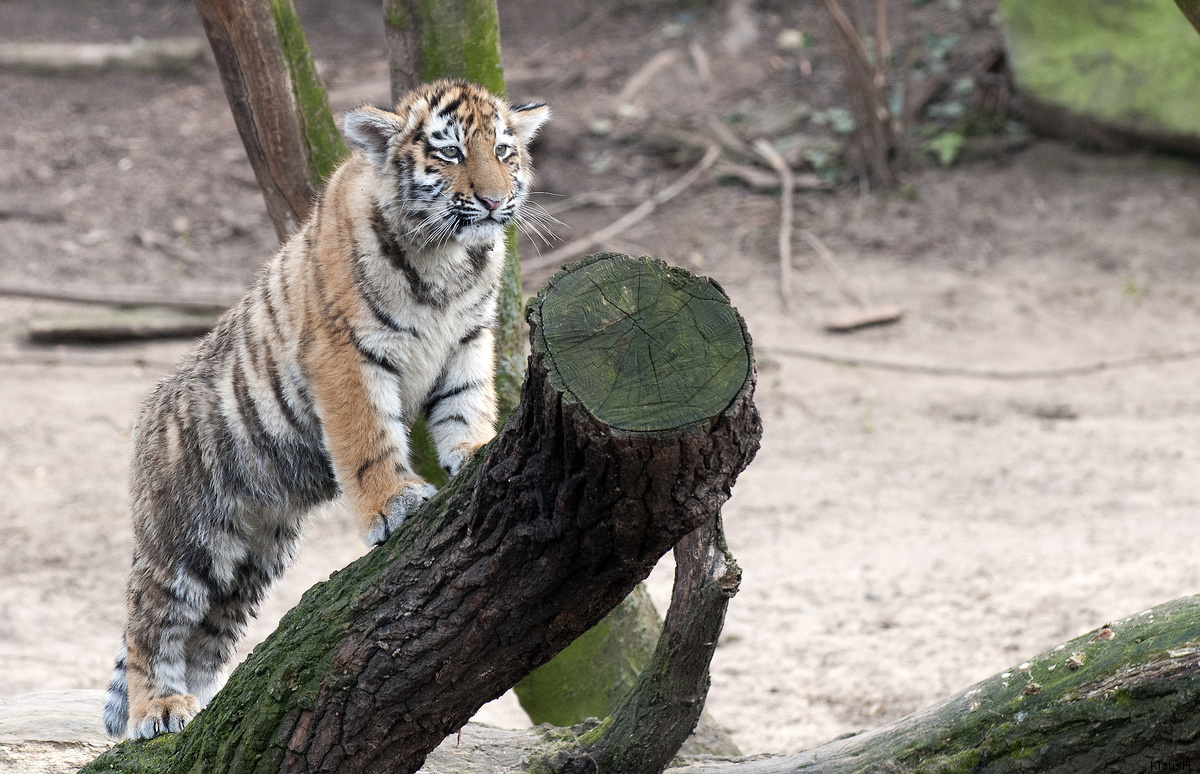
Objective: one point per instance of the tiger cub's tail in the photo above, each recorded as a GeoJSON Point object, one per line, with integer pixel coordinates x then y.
{"type": "Point", "coordinates": [116, 703]}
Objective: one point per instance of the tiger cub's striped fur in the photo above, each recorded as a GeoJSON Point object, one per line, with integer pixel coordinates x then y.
{"type": "Point", "coordinates": [380, 308]}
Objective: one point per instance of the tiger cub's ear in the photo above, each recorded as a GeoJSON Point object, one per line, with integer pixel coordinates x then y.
{"type": "Point", "coordinates": [371, 129]}
{"type": "Point", "coordinates": [527, 119]}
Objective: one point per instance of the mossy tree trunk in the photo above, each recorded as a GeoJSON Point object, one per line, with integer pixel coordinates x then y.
{"type": "Point", "coordinates": [1191, 9]}
{"type": "Point", "coordinates": [278, 102]}
{"type": "Point", "coordinates": [549, 528]}
{"type": "Point", "coordinates": [1123, 699]}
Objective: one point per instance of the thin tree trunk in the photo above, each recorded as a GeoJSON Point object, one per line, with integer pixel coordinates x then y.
{"type": "Point", "coordinates": [548, 529]}
{"type": "Point", "coordinates": [402, 35]}
{"type": "Point", "coordinates": [279, 104]}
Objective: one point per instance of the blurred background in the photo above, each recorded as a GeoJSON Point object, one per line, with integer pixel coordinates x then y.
{"type": "Point", "coordinates": [979, 396]}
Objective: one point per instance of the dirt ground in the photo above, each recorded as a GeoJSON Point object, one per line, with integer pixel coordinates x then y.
{"type": "Point", "coordinates": [902, 534]}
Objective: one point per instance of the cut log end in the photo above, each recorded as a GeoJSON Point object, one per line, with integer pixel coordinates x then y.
{"type": "Point", "coordinates": [644, 347]}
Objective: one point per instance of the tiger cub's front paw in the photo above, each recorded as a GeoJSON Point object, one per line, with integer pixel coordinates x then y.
{"type": "Point", "coordinates": [398, 507]}
{"type": "Point", "coordinates": [459, 456]}
{"type": "Point", "coordinates": [162, 716]}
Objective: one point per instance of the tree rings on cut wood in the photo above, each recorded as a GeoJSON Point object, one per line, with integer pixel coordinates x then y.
{"type": "Point", "coordinates": [645, 347]}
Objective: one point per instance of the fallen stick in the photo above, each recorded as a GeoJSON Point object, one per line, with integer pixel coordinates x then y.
{"type": "Point", "coordinates": [202, 302]}
{"type": "Point", "coordinates": [608, 198]}
{"type": "Point", "coordinates": [701, 61]}
{"type": "Point", "coordinates": [827, 258]}
{"type": "Point", "coordinates": [169, 55]}
{"type": "Point", "coordinates": [761, 180]}
{"type": "Point", "coordinates": [112, 327]}
{"type": "Point", "coordinates": [644, 73]}
{"type": "Point", "coordinates": [71, 358]}
{"type": "Point", "coordinates": [634, 216]}
{"type": "Point", "coordinates": [1083, 369]}
{"type": "Point", "coordinates": [726, 137]}
{"type": "Point", "coordinates": [864, 313]}
{"type": "Point", "coordinates": [33, 215]}
{"type": "Point", "coordinates": [787, 184]}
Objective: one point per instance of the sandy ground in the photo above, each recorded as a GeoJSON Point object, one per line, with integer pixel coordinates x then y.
{"type": "Point", "coordinates": [902, 535]}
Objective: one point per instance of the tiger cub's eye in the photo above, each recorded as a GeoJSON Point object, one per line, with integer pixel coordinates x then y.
{"type": "Point", "coordinates": [503, 151]}
{"type": "Point", "coordinates": [450, 153]}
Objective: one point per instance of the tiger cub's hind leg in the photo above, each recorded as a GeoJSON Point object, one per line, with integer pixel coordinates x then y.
{"type": "Point", "coordinates": [116, 701]}
{"type": "Point", "coordinates": [214, 641]}
{"type": "Point", "coordinates": [162, 618]}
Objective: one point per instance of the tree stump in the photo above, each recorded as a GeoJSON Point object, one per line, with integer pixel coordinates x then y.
{"type": "Point", "coordinates": [635, 419]}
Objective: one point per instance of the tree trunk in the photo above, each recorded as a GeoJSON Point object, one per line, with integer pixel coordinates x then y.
{"type": "Point", "coordinates": [608, 461]}
{"type": "Point", "coordinates": [1123, 698]}
{"type": "Point", "coordinates": [278, 102]}
{"type": "Point", "coordinates": [658, 714]}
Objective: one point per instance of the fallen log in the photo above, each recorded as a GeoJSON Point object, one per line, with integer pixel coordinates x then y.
{"type": "Point", "coordinates": [635, 419]}
{"type": "Point", "coordinates": [169, 56]}
{"type": "Point", "coordinates": [117, 326]}
{"type": "Point", "coordinates": [1121, 699]}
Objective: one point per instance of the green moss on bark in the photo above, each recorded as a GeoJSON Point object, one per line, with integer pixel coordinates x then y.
{"type": "Point", "coordinates": [510, 331]}
{"type": "Point", "coordinates": [325, 147]}
{"type": "Point", "coordinates": [588, 679]}
{"type": "Point", "coordinates": [1123, 689]}
{"type": "Point", "coordinates": [461, 39]}
{"type": "Point", "coordinates": [395, 14]}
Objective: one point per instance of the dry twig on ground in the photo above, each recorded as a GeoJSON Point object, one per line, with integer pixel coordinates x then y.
{"type": "Point", "coordinates": [864, 313]}
{"type": "Point", "coordinates": [1016, 374]}
{"type": "Point", "coordinates": [171, 56]}
{"type": "Point", "coordinates": [787, 186]}
{"type": "Point", "coordinates": [644, 73]}
{"type": "Point", "coordinates": [831, 263]}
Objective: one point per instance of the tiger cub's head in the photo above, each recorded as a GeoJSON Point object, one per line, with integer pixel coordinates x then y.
{"type": "Point", "coordinates": [452, 160]}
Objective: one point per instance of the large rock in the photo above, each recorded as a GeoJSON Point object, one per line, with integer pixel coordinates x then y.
{"type": "Point", "coordinates": [1115, 73]}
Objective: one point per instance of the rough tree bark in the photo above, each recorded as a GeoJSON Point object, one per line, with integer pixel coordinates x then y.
{"type": "Point", "coordinates": [278, 102]}
{"type": "Point", "coordinates": [1124, 698]}
{"type": "Point", "coordinates": [609, 460]}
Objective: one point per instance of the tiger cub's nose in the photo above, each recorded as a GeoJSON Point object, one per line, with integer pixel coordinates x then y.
{"type": "Point", "coordinates": [491, 204]}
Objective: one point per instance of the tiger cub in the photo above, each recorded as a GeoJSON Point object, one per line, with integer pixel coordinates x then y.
{"type": "Point", "coordinates": [379, 309]}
